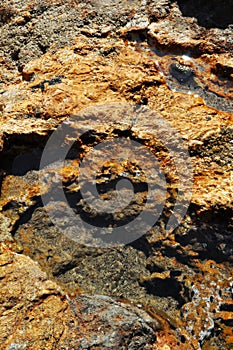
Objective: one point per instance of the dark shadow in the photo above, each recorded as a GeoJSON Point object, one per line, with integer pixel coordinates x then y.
{"type": "Point", "coordinates": [26, 162]}
{"type": "Point", "coordinates": [209, 13]}
{"type": "Point", "coordinates": [168, 287]}
{"type": "Point", "coordinates": [211, 237]}
{"type": "Point", "coordinates": [22, 153]}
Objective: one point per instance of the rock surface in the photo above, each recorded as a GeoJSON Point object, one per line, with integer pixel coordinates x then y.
{"type": "Point", "coordinates": [35, 313]}
{"type": "Point", "coordinates": [58, 58]}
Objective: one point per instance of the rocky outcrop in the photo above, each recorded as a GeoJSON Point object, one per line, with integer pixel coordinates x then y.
{"type": "Point", "coordinates": [153, 67]}
{"type": "Point", "coordinates": [36, 313]}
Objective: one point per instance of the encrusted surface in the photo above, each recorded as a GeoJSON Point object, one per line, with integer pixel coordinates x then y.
{"type": "Point", "coordinates": [35, 313]}
{"type": "Point", "coordinates": [58, 58]}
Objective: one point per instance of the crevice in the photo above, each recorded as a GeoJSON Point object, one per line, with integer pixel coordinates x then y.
{"type": "Point", "coordinates": [142, 245]}
{"type": "Point", "coordinates": [228, 322]}
{"type": "Point", "coordinates": [210, 236]}
{"type": "Point", "coordinates": [226, 307]}
{"type": "Point", "coordinates": [22, 152]}
{"type": "Point", "coordinates": [15, 55]}
{"type": "Point", "coordinates": [65, 268]}
{"type": "Point", "coordinates": [180, 255]}
{"type": "Point", "coordinates": [52, 81]}
{"type": "Point", "coordinates": [43, 48]}
{"type": "Point", "coordinates": [167, 287]}
{"type": "Point", "coordinates": [144, 84]}
{"type": "Point", "coordinates": [209, 14]}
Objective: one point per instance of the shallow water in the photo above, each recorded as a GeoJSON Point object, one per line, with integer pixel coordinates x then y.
{"type": "Point", "coordinates": [189, 75]}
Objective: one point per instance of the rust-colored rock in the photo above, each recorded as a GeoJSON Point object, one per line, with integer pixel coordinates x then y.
{"type": "Point", "coordinates": [36, 313]}
{"type": "Point", "coordinates": [59, 58]}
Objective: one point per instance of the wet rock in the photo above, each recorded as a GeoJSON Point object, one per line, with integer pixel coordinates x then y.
{"type": "Point", "coordinates": [181, 73]}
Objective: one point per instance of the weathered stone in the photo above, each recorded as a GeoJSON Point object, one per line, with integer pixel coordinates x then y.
{"type": "Point", "coordinates": [57, 58]}
{"type": "Point", "coordinates": [36, 313]}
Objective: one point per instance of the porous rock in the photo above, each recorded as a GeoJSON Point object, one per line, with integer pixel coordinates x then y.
{"type": "Point", "coordinates": [60, 57]}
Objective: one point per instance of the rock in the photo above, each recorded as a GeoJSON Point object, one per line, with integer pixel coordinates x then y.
{"type": "Point", "coordinates": [156, 62]}
{"type": "Point", "coordinates": [36, 313]}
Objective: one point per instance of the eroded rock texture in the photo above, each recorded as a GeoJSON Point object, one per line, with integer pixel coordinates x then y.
{"type": "Point", "coordinates": [147, 63]}
{"type": "Point", "coordinates": [35, 313]}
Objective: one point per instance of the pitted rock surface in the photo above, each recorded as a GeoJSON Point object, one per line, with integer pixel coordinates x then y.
{"type": "Point", "coordinates": [58, 58]}
{"type": "Point", "coordinates": [36, 313]}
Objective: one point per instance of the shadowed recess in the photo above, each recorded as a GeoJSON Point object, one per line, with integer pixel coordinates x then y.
{"type": "Point", "coordinates": [209, 14]}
